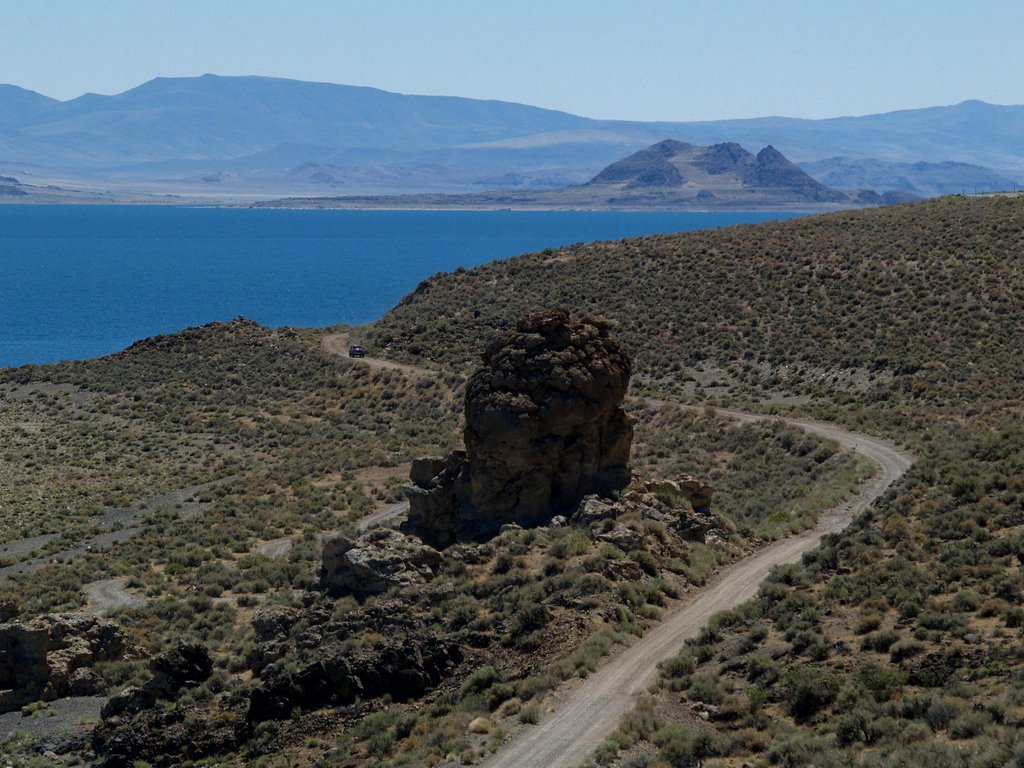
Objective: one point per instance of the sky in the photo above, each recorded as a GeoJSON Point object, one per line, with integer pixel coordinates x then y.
{"type": "Point", "coordinates": [636, 60]}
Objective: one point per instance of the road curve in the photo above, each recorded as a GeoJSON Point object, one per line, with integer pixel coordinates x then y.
{"type": "Point", "coordinates": [589, 713]}
{"type": "Point", "coordinates": [381, 516]}
{"type": "Point", "coordinates": [109, 595]}
{"type": "Point", "coordinates": [337, 344]}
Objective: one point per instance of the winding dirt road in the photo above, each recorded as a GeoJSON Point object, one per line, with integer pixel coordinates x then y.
{"type": "Point", "coordinates": [381, 516]}
{"type": "Point", "coordinates": [587, 714]}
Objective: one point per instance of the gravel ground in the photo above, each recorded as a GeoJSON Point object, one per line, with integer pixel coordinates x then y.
{"type": "Point", "coordinates": [24, 547]}
{"type": "Point", "coordinates": [110, 594]}
{"type": "Point", "coordinates": [60, 719]}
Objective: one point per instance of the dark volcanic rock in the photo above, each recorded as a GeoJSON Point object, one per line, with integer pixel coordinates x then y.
{"type": "Point", "coordinates": [134, 728]}
{"type": "Point", "coordinates": [435, 502]}
{"type": "Point", "coordinates": [544, 427]}
{"type": "Point", "coordinates": [402, 669]}
{"type": "Point", "coordinates": [168, 737]}
{"type": "Point", "coordinates": [48, 658]}
{"type": "Point", "coordinates": [184, 666]}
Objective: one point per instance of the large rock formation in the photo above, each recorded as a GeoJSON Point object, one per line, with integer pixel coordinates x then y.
{"type": "Point", "coordinates": [52, 657]}
{"type": "Point", "coordinates": [544, 427]}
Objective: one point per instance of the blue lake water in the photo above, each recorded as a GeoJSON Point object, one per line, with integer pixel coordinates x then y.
{"type": "Point", "coordinates": [81, 281]}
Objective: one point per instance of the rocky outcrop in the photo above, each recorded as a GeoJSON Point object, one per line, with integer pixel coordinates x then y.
{"type": "Point", "coordinates": [134, 728]}
{"type": "Point", "coordinates": [683, 504]}
{"type": "Point", "coordinates": [52, 657]}
{"type": "Point", "coordinates": [435, 500]}
{"type": "Point", "coordinates": [383, 558]}
{"type": "Point", "coordinates": [686, 489]}
{"type": "Point", "coordinates": [402, 669]}
{"type": "Point", "coordinates": [544, 427]}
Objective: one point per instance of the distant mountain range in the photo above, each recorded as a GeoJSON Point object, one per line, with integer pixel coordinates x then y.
{"type": "Point", "coordinates": [922, 179]}
{"type": "Point", "coordinates": [254, 136]}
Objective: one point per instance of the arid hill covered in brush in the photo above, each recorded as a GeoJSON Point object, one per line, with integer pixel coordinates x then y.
{"type": "Point", "coordinates": [927, 292]}
{"type": "Point", "coordinates": [712, 174]}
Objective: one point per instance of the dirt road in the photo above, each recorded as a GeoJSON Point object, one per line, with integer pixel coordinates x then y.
{"type": "Point", "coordinates": [381, 516]}
{"type": "Point", "coordinates": [337, 344]}
{"type": "Point", "coordinates": [586, 715]}
{"type": "Point", "coordinates": [110, 594]}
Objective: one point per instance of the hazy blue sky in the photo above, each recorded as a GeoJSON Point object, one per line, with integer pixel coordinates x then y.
{"type": "Point", "coordinates": [642, 59]}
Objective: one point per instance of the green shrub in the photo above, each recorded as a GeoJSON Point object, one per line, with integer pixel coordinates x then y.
{"type": "Point", "coordinates": [905, 649]}
{"type": "Point", "coordinates": [808, 690]}
{"type": "Point", "coordinates": [880, 642]}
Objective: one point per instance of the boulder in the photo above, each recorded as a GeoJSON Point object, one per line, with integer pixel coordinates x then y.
{"type": "Point", "coordinates": [382, 559]}
{"type": "Point", "coordinates": [622, 537]}
{"type": "Point", "coordinates": [697, 494]}
{"type": "Point", "coordinates": [274, 622]}
{"type": "Point", "coordinates": [184, 666]}
{"type": "Point", "coordinates": [592, 510]}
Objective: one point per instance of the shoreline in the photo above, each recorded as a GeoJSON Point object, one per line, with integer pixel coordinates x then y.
{"type": "Point", "coordinates": [314, 204]}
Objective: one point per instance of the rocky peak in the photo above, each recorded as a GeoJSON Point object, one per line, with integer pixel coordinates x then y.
{"type": "Point", "coordinates": [728, 157]}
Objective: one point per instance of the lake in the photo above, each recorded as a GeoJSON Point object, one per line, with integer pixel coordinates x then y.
{"type": "Point", "coordinates": [81, 281]}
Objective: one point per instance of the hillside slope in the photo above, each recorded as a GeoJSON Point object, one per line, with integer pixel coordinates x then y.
{"type": "Point", "coordinates": [896, 643]}
{"type": "Point", "coordinates": [923, 179]}
{"type": "Point", "coordinates": [929, 287]}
